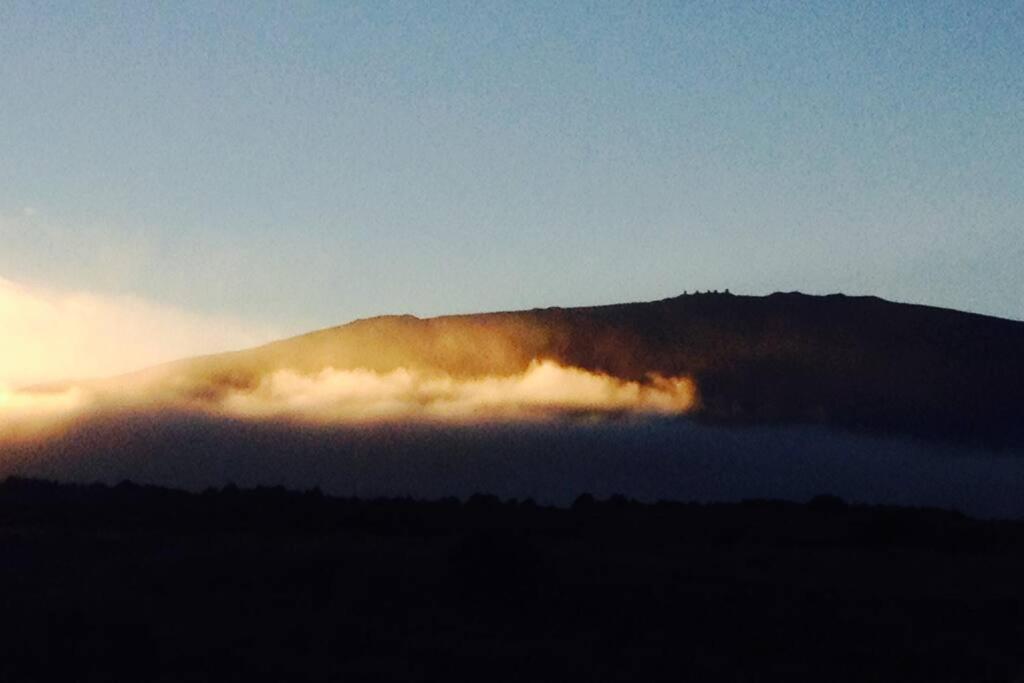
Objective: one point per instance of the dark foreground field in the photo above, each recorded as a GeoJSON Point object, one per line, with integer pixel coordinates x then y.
{"type": "Point", "coordinates": [136, 584]}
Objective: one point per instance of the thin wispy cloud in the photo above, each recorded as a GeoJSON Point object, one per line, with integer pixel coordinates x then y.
{"type": "Point", "coordinates": [49, 334]}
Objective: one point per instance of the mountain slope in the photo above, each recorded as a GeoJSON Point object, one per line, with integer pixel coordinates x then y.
{"type": "Point", "coordinates": [855, 362]}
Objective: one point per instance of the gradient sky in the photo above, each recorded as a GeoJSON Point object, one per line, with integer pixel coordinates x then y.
{"type": "Point", "coordinates": [298, 165]}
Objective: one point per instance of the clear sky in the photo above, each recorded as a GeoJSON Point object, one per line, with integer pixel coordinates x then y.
{"type": "Point", "coordinates": [297, 165]}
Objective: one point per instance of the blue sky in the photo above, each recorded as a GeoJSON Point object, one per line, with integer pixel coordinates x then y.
{"type": "Point", "coordinates": [298, 165]}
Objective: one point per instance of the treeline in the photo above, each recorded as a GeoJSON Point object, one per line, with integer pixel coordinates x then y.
{"type": "Point", "coordinates": [825, 520]}
{"type": "Point", "coordinates": [129, 582]}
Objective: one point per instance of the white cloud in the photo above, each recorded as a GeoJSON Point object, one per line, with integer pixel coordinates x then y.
{"type": "Point", "coordinates": [544, 389]}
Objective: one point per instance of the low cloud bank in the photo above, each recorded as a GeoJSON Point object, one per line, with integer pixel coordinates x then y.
{"type": "Point", "coordinates": [545, 390]}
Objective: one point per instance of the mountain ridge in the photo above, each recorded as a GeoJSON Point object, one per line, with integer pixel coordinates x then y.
{"type": "Point", "coordinates": [855, 362]}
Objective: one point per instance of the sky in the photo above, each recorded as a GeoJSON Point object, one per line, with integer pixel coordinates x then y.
{"type": "Point", "coordinates": [291, 166]}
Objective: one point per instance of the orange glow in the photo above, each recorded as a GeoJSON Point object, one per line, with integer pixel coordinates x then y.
{"type": "Point", "coordinates": [545, 390]}
{"type": "Point", "coordinates": [502, 366]}
{"type": "Point", "coordinates": [48, 334]}
{"type": "Point", "coordinates": [28, 414]}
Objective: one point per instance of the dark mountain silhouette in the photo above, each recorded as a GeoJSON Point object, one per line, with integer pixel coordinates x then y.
{"type": "Point", "coordinates": [855, 362]}
{"type": "Point", "coordinates": [144, 583]}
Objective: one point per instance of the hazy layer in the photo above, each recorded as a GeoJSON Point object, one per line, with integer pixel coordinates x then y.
{"type": "Point", "coordinates": [553, 461]}
{"type": "Point", "coordinates": [544, 388]}
{"type": "Point", "coordinates": [549, 432]}
{"type": "Point", "coordinates": [543, 391]}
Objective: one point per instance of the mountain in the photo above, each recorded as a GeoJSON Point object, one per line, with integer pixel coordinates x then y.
{"type": "Point", "coordinates": [858, 363]}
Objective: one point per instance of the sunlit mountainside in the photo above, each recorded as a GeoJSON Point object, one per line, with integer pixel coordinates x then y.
{"type": "Point", "coordinates": [855, 362]}
{"type": "Point", "coordinates": [699, 397]}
